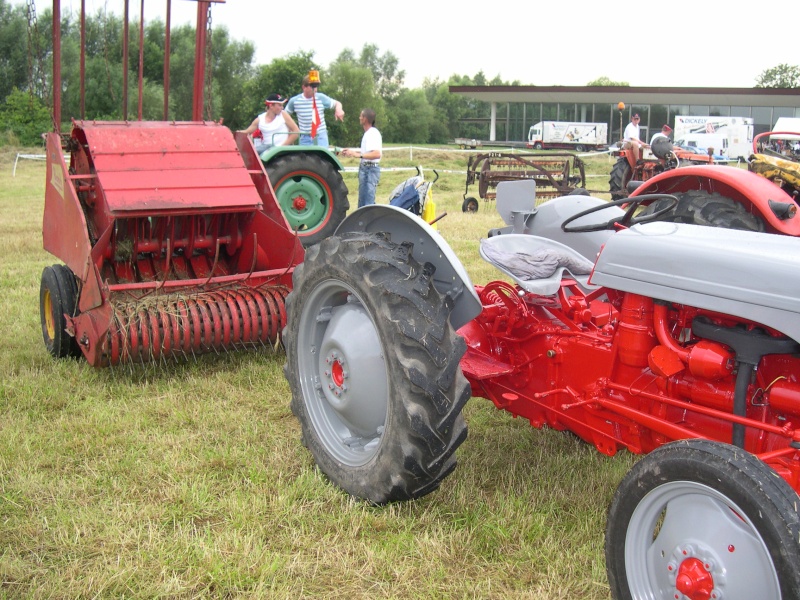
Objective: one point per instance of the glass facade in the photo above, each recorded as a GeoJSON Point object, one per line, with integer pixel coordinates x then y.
{"type": "Point", "coordinates": [515, 119]}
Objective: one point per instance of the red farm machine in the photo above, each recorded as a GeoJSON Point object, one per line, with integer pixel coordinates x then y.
{"type": "Point", "coordinates": [670, 339]}
{"type": "Point", "coordinates": [171, 234]}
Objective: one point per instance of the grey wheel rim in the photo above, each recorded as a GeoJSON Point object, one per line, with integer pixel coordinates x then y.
{"type": "Point", "coordinates": [687, 537]}
{"type": "Point", "coordinates": [343, 373]}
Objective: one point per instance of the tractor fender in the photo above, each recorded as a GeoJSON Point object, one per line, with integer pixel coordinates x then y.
{"type": "Point", "coordinates": [450, 277]}
{"type": "Point", "coordinates": [739, 185]}
{"type": "Point", "coordinates": [268, 155]}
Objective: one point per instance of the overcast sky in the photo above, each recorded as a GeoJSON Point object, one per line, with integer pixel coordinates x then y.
{"type": "Point", "coordinates": [540, 42]}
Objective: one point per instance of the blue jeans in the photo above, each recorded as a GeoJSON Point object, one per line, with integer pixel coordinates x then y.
{"type": "Point", "coordinates": [368, 177]}
{"type": "Point", "coordinates": [320, 140]}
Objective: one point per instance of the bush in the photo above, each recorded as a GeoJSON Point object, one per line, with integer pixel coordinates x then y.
{"type": "Point", "coordinates": [23, 118]}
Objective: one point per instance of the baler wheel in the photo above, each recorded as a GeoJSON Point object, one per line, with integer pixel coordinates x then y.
{"type": "Point", "coordinates": [373, 365]}
{"type": "Point", "coordinates": [58, 295]}
{"type": "Point", "coordinates": [700, 519]}
{"type": "Point", "coordinates": [619, 178]}
{"type": "Point", "coordinates": [710, 209]}
{"type": "Point", "coordinates": [311, 194]}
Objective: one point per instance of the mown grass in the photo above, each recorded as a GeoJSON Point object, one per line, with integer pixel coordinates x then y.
{"type": "Point", "coordinates": [188, 480]}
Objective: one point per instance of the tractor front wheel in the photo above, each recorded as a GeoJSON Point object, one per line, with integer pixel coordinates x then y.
{"type": "Point", "coordinates": [58, 295]}
{"type": "Point", "coordinates": [701, 519]}
{"type": "Point", "coordinates": [710, 209]}
{"type": "Point", "coordinates": [311, 194]}
{"type": "Point", "coordinates": [373, 365]}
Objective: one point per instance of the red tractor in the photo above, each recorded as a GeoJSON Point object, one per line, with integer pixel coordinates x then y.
{"type": "Point", "coordinates": [670, 339]}
{"type": "Point", "coordinates": [762, 198]}
{"type": "Point", "coordinates": [663, 156]}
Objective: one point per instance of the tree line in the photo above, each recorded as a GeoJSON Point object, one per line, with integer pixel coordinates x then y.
{"type": "Point", "coordinates": [369, 78]}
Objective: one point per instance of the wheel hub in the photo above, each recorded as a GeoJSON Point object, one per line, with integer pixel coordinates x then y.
{"type": "Point", "coordinates": [693, 581]}
{"type": "Point", "coordinates": [353, 371]}
{"type": "Point", "coordinates": [692, 572]}
{"type": "Point", "coordinates": [299, 203]}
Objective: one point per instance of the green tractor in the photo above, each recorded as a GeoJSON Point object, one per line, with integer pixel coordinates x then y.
{"type": "Point", "coordinates": [309, 188]}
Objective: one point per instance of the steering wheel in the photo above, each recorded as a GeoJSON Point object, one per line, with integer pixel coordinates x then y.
{"type": "Point", "coordinates": [625, 220]}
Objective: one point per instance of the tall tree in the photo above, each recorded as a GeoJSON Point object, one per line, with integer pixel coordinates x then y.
{"type": "Point", "coordinates": [354, 87]}
{"type": "Point", "coordinates": [14, 54]}
{"type": "Point", "coordinates": [607, 82]}
{"type": "Point", "coordinates": [781, 76]}
{"type": "Point", "coordinates": [410, 119]}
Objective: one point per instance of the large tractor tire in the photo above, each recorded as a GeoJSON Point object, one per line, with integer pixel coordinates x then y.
{"type": "Point", "coordinates": [619, 178]}
{"type": "Point", "coordinates": [311, 194]}
{"type": "Point", "coordinates": [710, 209]}
{"type": "Point", "coordinates": [701, 519]}
{"type": "Point", "coordinates": [373, 365]}
{"type": "Point", "coordinates": [58, 295]}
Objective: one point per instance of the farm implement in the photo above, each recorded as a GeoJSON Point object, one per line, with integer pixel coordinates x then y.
{"type": "Point", "coordinates": [555, 174]}
{"type": "Point", "coordinates": [172, 241]}
{"type": "Point", "coordinates": [669, 339]}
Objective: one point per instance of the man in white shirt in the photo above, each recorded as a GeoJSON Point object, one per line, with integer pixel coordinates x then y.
{"type": "Point", "coordinates": [369, 171]}
{"type": "Point", "coordinates": [664, 133]}
{"type": "Point", "coordinates": [631, 136]}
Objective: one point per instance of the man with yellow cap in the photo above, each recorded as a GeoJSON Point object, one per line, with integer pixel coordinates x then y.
{"type": "Point", "coordinates": [309, 107]}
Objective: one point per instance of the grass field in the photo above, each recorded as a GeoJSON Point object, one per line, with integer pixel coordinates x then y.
{"type": "Point", "coordinates": [188, 480]}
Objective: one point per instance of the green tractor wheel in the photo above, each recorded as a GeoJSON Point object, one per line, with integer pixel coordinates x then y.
{"type": "Point", "coordinates": [311, 194]}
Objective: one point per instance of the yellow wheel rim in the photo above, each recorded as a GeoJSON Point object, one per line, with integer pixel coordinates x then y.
{"type": "Point", "coordinates": [49, 321]}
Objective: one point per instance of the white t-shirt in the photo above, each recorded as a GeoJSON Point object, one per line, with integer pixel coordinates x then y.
{"type": "Point", "coordinates": [656, 136]}
{"type": "Point", "coordinates": [273, 132]}
{"type": "Point", "coordinates": [632, 132]}
{"type": "Point", "coordinates": [372, 140]}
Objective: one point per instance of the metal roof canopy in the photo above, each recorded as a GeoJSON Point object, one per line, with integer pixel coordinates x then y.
{"type": "Point", "coordinates": [786, 97]}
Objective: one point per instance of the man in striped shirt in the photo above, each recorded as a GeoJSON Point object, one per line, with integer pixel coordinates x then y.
{"type": "Point", "coordinates": [309, 107]}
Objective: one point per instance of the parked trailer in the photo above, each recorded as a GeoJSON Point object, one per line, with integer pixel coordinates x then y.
{"type": "Point", "coordinates": [705, 132]}
{"type": "Point", "coordinates": [555, 174]}
{"type": "Point", "coordinates": [568, 136]}
{"type": "Point", "coordinates": [468, 143]}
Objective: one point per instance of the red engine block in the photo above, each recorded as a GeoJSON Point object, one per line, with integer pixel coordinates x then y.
{"type": "Point", "coordinates": [626, 371]}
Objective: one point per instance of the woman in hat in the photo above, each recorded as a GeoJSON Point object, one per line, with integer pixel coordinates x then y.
{"type": "Point", "coordinates": [275, 126]}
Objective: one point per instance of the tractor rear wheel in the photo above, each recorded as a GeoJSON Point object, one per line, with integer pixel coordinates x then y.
{"type": "Point", "coordinates": [58, 295]}
{"type": "Point", "coordinates": [373, 365]}
{"type": "Point", "coordinates": [710, 209]}
{"type": "Point", "coordinates": [311, 194]}
{"type": "Point", "coordinates": [619, 178]}
{"type": "Point", "coordinates": [703, 519]}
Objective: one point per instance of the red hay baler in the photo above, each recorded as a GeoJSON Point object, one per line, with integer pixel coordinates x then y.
{"type": "Point", "coordinates": [172, 240]}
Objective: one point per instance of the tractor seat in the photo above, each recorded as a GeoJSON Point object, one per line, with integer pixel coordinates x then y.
{"type": "Point", "coordinates": [536, 264]}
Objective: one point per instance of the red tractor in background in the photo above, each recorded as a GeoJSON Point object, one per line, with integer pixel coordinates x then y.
{"type": "Point", "coordinates": [762, 198]}
{"type": "Point", "coordinates": [662, 157]}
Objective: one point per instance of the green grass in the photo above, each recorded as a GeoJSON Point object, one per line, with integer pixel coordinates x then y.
{"type": "Point", "coordinates": [188, 480]}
